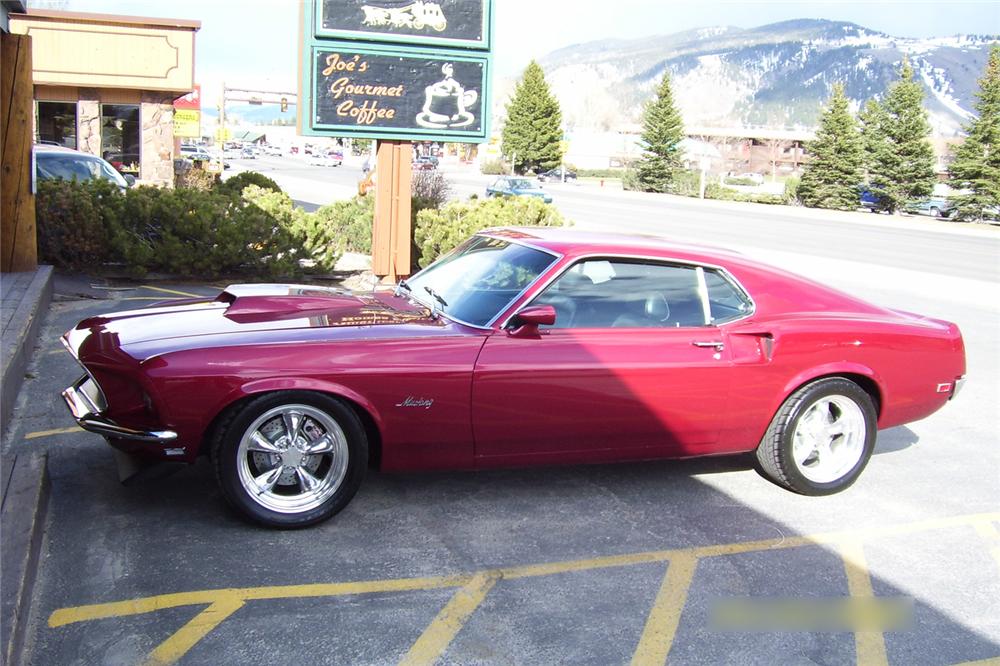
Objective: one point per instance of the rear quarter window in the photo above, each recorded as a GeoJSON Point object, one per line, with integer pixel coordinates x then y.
{"type": "Point", "coordinates": [726, 300]}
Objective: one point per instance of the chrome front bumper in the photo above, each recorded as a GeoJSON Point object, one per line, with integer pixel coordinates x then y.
{"type": "Point", "coordinates": [85, 403]}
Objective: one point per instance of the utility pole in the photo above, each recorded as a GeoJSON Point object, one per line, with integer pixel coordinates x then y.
{"type": "Point", "coordinates": [222, 117]}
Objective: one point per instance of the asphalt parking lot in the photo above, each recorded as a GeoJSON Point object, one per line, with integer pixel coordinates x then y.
{"type": "Point", "coordinates": [591, 565]}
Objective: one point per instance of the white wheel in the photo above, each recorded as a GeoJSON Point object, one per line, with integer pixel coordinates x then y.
{"type": "Point", "coordinates": [291, 458]}
{"type": "Point", "coordinates": [821, 438]}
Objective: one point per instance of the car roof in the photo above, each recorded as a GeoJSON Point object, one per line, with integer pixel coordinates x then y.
{"type": "Point", "coordinates": [49, 148]}
{"type": "Point", "coordinates": [754, 276]}
{"type": "Point", "coordinates": [574, 242]}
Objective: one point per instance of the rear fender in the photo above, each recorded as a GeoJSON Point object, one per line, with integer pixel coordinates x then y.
{"type": "Point", "coordinates": [827, 370]}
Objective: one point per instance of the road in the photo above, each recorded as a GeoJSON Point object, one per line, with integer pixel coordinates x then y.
{"type": "Point", "coordinates": [589, 565]}
{"type": "Point", "coordinates": [909, 243]}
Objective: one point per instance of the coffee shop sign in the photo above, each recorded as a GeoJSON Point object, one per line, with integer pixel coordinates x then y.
{"type": "Point", "coordinates": [399, 92]}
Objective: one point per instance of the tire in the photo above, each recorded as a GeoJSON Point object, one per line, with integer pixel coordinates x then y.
{"type": "Point", "coordinates": [821, 439]}
{"type": "Point", "coordinates": [287, 486]}
{"type": "Point", "coordinates": [935, 212]}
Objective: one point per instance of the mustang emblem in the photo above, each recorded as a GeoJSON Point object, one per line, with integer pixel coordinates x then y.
{"type": "Point", "coordinates": [416, 402]}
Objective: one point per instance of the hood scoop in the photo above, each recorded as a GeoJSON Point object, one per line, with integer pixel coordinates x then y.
{"type": "Point", "coordinates": [250, 303]}
{"type": "Point", "coordinates": [322, 306]}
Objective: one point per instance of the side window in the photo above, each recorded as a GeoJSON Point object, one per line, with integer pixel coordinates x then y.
{"type": "Point", "coordinates": [726, 301]}
{"type": "Point", "coordinates": [603, 293]}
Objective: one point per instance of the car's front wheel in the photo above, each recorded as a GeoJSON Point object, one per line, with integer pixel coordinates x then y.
{"type": "Point", "coordinates": [821, 438]}
{"type": "Point", "coordinates": [291, 458]}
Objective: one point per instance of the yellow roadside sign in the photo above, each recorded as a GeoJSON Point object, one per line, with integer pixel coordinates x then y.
{"type": "Point", "coordinates": [187, 123]}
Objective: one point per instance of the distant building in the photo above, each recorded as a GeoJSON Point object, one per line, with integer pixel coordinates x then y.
{"type": "Point", "coordinates": [731, 149]}
{"type": "Point", "coordinates": [754, 150]}
{"type": "Point", "coordinates": [106, 84]}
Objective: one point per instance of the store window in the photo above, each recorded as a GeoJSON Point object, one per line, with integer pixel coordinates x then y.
{"type": "Point", "coordinates": [121, 136]}
{"type": "Point", "coordinates": [56, 123]}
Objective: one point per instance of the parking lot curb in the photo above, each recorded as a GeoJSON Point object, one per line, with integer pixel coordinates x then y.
{"type": "Point", "coordinates": [25, 492]}
{"type": "Point", "coordinates": [20, 333]}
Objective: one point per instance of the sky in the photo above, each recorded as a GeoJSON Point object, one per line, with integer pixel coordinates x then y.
{"type": "Point", "coordinates": [253, 43]}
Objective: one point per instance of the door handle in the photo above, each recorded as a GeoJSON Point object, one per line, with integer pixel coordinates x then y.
{"type": "Point", "coordinates": [718, 345]}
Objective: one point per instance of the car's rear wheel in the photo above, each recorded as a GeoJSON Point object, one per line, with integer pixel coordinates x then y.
{"type": "Point", "coordinates": [291, 458]}
{"type": "Point", "coordinates": [821, 439]}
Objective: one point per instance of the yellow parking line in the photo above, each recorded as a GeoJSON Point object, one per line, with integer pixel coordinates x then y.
{"type": "Point", "coordinates": [163, 299]}
{"type": "Point", "coordinates": [185, 638]}
{"type": "Point", "coordinates": [441, 632]}
{"type": "Point", "coordinates": [661, 625]}
{"type": "Point", "coordinates": [65, 616]}
{"type": "Point", "coordinates": [172, 291]}
{"type": "Point", "coordinates": [988, 531]}
{"type": "Point", "coordinates": [49, 433]}
{"type": "Point", "coordinates": [869, 646]}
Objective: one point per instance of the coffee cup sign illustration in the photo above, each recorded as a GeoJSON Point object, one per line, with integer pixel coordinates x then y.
{"type": "Point", "coordinates": [446, 103]}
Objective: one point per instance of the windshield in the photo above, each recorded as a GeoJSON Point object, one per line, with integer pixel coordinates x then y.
{"type": "Point", "coordinates": [479, 279]}
{"type": "Point", "coordinates": [70, 166]}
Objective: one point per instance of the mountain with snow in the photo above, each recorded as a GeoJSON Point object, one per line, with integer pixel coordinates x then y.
{"type": "Point", "coordinates": [775, 76]}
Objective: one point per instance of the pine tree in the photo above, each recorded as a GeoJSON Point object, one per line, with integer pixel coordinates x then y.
{"type": "Point", "coordinates": [662, 133]}
{"type": "Point", "coordinates": [977, 161]}
{"type": "Point", "coordinates": [831, 177]}
{"type": "Point", "coordinates": [902, 168]}
{"type": "Point", "coordinates": [533, 130]}
{"type": "Point", "coordinates": [872, 119]}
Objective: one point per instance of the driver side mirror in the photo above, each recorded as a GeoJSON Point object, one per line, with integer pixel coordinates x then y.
{"type": "Point", "coordinates": [526, 322]}
{"type": "Point", "coordinates": [129, 179]}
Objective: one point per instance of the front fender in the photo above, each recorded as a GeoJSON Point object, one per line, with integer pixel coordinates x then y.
{"type": "Point", "coordinates": [270, 384]}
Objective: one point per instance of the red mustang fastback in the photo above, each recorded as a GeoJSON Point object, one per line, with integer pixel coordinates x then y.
{"type": "Point", "coordinates": [521, 347]}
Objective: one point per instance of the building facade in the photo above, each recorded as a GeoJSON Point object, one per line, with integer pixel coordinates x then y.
{"type": "Point", "coordinates": [106, 84]}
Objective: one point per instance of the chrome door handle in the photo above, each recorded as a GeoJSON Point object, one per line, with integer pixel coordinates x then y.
{"type": "Point", "coordinates": [719, 346]}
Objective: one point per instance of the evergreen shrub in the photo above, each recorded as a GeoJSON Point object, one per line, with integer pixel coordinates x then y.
{"type": "Point", "coordinates": [438, 231]}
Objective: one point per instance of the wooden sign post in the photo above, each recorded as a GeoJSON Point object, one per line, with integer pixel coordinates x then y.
{"type": "Point", "coordinates": [17, 200]}
{"type": "Point", "coordinates": [395, 72]}
{"type": "Point", "coordinates": [391, 234]}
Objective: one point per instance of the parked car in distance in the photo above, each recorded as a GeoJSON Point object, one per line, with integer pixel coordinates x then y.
{"type": "Point", "coordinates": [935, 207]}
{"type": "Point", "coordinates": [425, 163]}
{"type": "Point", "coordinates": [330, 159]}
{"type": "Point", "coordinates": [248, 153]}
{"type": "Point", "coordinates": [870, 199]}
{"type": "Point", "coordinates": [756, 178]}
{"type": "Point", "coordinates": [53, 162]}
{"type": "Point", "coordinates": [521, 347]}
{"type": "Point", "coordinates": [195, 153]}
{"type": "Point", "coordinates": [511, 186]}
{"type": "Point", "coordinates": [557, 175]}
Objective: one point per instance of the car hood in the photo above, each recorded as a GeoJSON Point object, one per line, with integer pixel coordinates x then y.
{"type": "Point", "coordinates": [244, 314]}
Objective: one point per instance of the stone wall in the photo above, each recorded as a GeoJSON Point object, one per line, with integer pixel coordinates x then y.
{"type": "Point", "coordinates": [88, 122]}
{"type": "Point", "coordinates": [157, 115]}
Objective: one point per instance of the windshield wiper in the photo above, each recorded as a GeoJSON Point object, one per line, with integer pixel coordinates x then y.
{"type": "Point", "coordinates": [437, 297]}
{"type": "Point", "coordinates": [434, 306]}
{"type": "Point", "coordinates": [400, 286]}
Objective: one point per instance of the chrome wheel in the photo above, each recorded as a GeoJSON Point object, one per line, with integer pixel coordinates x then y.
{"type": "Point", "coordinates": [292, 458]}
{"type": "Point", "coordinates": [829, 439]}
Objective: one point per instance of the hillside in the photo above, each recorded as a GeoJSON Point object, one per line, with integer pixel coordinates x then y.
{"type": "Point", "coordinates": [772, 76]}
